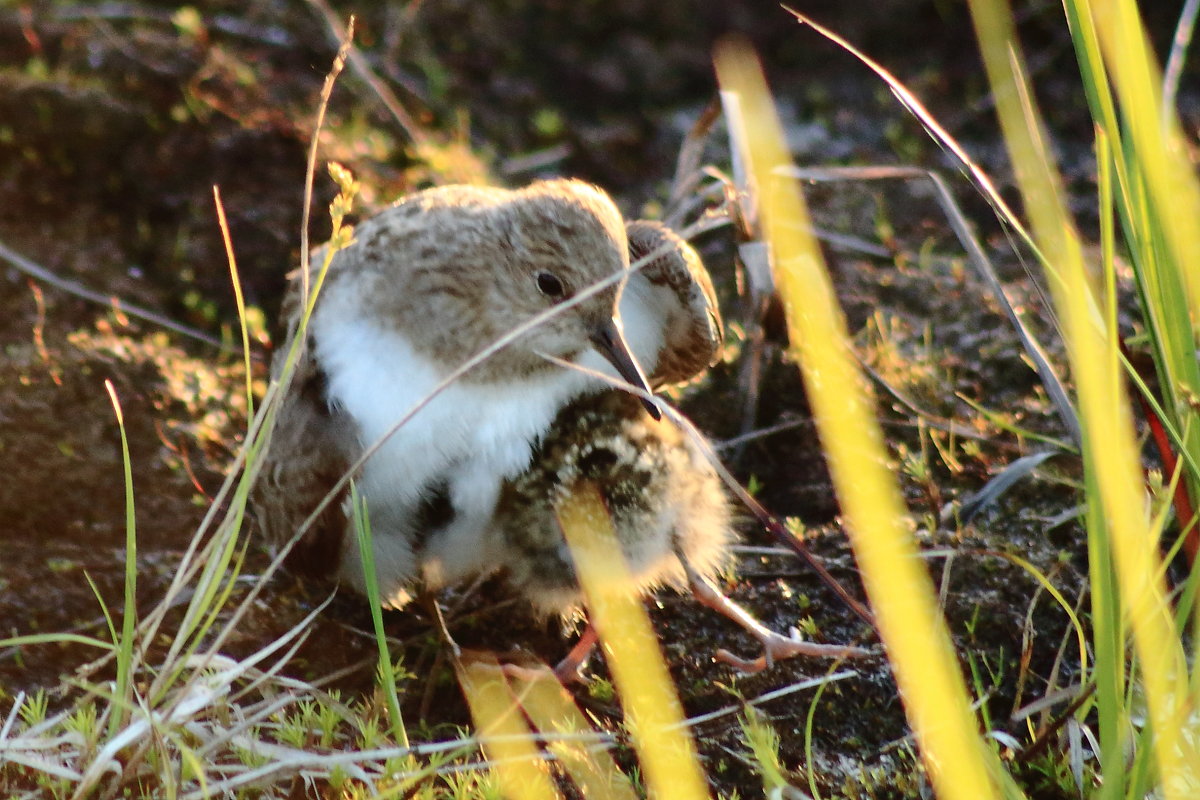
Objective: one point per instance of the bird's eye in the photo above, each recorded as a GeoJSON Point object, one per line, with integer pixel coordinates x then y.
{"type": "Point", "coordinates": [550, 285]}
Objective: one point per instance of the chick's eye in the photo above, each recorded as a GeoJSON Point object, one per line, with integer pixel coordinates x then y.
{"type": "Point", "coordinates": [550, 285]}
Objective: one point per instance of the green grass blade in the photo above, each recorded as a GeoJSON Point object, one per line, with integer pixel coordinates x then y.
{"type": "Point", "coordinates": [387, 675]}
{"type": "Point", "coordinates": [1111, 454]}
{"type": "Point", "coordinates": [128, 622]}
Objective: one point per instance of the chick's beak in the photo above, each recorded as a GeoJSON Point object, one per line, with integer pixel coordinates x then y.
{"type": "Point", "coordinates": [610, 343]}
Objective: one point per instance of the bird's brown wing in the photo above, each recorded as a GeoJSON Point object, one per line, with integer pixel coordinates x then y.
{"type": "Point", "coordinates": [311, 448]}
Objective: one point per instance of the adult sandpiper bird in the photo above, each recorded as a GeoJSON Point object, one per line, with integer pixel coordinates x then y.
{"type": "Point", "coordinates": [427, 284]}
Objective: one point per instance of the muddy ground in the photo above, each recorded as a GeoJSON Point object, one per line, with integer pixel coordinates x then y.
{"type": "Point", "coordinates": [117, 119]}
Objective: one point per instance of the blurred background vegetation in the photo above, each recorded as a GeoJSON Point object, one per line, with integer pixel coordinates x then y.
{"type": "Point", "coordinates": [117, 118]}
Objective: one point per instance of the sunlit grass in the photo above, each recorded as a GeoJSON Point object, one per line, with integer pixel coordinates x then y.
{"type": "Point", "coordinates": [901, 595]}
{"type": "Point", "coordinates": [1153, 186]}
{"type": "Point", "coordinates": [653, 715]}
{"type": "Point", "coordinates": [239, 299]}
{"type": "Point", "coordinates": [124, 645]}
{"type": "Point", "coordinates": [506, 737]}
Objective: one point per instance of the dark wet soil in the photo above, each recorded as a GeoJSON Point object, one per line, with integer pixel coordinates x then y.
{"type": "Point", "coordinates": [117, 119]}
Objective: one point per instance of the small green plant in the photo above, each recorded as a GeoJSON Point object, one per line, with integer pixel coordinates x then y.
{"type": "Point", "coordinates": [296, 728]}
{"type": "Point", "coordinates": [33, 710]}
{"type": "Point", "coordinates": [83, 722]}
{"type": "Point", "coordinates": [763, 743]}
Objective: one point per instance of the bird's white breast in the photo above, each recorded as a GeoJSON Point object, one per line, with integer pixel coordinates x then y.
{"type": "Point", "coordinates": [473, 434]}
{"type": "Point", "coordinates": [642, 310]}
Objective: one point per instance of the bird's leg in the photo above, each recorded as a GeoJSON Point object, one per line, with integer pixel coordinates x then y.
{"type": "Point", "coordinates": [570, 669]}
{"type": "Point", "coordinates": [775, 645]}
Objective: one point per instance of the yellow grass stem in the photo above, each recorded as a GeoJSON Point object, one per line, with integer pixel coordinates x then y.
{"type": "Point", "coordinates": [238, 298]}
{"type": "Point", "coordinates": [927, 672]}
{"type": "Point", "coordinates": [1110, 446]}
{"type": "Point", "coordinates": [652, 711]}
{"type": "Point", "coordinates": [503, 734]}
{"type": "Point", "coordinates": [1161, 148]}
{"type": "Point", "coordinates": [552, 710]}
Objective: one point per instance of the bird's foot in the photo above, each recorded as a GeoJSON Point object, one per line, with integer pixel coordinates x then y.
{"type": "Point", "coordinates": [528, 668]}
{"type": "Point", "coordinates": [776, 646]}
{"type": "Point", "coordinates": [570, 669]}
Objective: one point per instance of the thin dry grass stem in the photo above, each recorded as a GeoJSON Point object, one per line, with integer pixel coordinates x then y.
{"type": "Point", "coordinates": [689, 166]}
{"type": "Point", "coordinates": [76, 289]}
{"type": "Point", "coordinates": [1028, 634]}
{"type": "Point", "coordinates": [1056, 667]}
{"type": "Point", "coordinates": [939, 134]}
{"type": "Point", "coordinates": [339, 61]}
{"type": "Point", "coordinates": [183, 699]}
{"type": "Point", "coordinates": [209, 684]}
{"type": "Point", "coordinates": [1049, 700]}
{"type": "Point", "coordinates": [1044, 584]}
{"type": "Point", "coordinates": [416, 134]}
{"type": "Point", "coordinates": [248, 719]}
{"type": "Point", "coordinates": [368, 765]}
{"type": "Point", "coordinates": [6, 729]}
{"type": "Point", "coordinates": [260, 678]}
{"type": "Point", "coordinates": [39, 332]}
{"type": "Point", "coordinates": [194, 556]}
{"type": "Point", "coordinates": [1179, 47]}
{"type": "Point", "coordinates": [915, 635]}
{"type": "Point", "coordinates": [199, 663]}
{"type": "Point", "coordinates": [241, 476]}
{"type": "Point", "coordinates": [535, 161]}
{"type": "Point", "coordinates": [767, 697]}
{"type": "Point", "coordinates": [237, 293]}
{"type": "Point", "coordinates": [736, 442]}
{"type": "Point", "coordinates": [975, 254]}
{"type": "Point", "coordinates": [928, 417]}
{"type": "Point", "coordinates": [756, 280]}
{"type": "Point", "coordinates": [984, 183]}
{"type": "Point", "coordinates": [1046, 732]}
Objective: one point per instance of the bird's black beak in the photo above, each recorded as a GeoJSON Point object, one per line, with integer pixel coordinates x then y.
{"type": "Point", "coordinates": [610, 343]}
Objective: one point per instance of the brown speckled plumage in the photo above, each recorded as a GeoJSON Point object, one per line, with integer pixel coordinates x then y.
{"type": "Point", "coordinates": [691, 322]}
{"type": "Point", "coordinates": [662, 495]}
{"type": "Point", "coordinates": [454, 269]}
